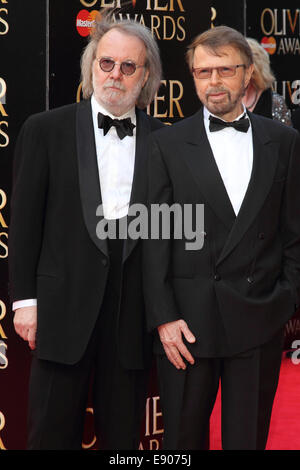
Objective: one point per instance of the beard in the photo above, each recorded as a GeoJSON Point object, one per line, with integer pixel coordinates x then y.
{"type": "Point", "coordinates": [230, 101]}
{"type": "Point", "coordinates": [114, 96]}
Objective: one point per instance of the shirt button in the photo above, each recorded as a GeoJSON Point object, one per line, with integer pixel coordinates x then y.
{"type": "Point", "coordinates": [104, 262]}
{"type": "Point", "coordinates": [261, 236]}
{"type": "Point", "coordinates": [250, 279]}
{"type": "Point", "coordinates": [217, 277]}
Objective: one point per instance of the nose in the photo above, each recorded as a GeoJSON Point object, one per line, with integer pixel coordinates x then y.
{"type": "Point", "coordinates": [215, 77]}
{"type": "Point", "coordinates": [116, 73]}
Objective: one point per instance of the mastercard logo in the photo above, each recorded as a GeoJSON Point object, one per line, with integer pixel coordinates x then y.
{"type": "Point", "coordinates": [85, 21]}
{"type": "Point", "coordinates": [269, 44]}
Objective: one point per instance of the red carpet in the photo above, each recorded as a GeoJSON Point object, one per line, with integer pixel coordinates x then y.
{"type": "Point", "coordinates": [285, 423]}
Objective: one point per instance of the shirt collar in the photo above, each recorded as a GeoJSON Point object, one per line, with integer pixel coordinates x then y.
{"type": "Point", "coordinates": [98, 108]}
{"type": "Point", "coordinates": [207, 113]}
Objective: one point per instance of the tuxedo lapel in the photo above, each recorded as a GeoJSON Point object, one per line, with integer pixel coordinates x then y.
{"type": "Point", "coordinates": [203, 167]}
{"type": "Point", "coordinates": [88, 172]}
{"type": "Point", "coordinates": [139, 184]}
{"type": "Point", "coordinates": [265, 156]}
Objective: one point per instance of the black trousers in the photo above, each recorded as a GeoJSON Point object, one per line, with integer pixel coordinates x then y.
{"type": "Point", "coordinates": [248, 386]}
{"type": "Point", "coordinates": [58, 393]}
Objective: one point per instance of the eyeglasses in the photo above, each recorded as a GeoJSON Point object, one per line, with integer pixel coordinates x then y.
{"type": "Point", "coordinates": [224, 71]}
{"type": "Point", "coordinates": [127, 67]}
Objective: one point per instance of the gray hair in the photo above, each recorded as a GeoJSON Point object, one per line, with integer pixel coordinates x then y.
{"type": "Point", "coordinates": [103, 24]}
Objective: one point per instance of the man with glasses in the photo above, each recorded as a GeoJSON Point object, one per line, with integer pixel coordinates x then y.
{"type": "Point", "coordinates": [78, 297]}
{"type": "Point", "coordinates": [219, 312]}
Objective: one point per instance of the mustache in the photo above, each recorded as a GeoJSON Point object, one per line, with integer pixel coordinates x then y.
{"type": "Point", "coordinates": [115, 84]}
{"type": "Point", "coordinates": [212, 91]}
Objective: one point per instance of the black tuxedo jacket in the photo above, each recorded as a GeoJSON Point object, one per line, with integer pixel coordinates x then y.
{"type": "Point", "coordinates": [243, 285]}
{"type": "Point", "coordinates": [55, 255]}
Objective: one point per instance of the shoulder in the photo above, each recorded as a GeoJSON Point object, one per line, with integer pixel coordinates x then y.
{"type": "Point", "coordinates": [180, 128]}
{"type": "Point", "coordinates": [156, 123]}
{"type": "Point", "coordinates": [47, 127]}
{"type": "Point", "coordinates": [153, 122]}
{"type": "Point", "coordinates": [56, 116]}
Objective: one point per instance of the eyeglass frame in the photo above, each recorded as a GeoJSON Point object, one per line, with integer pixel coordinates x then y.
{"type": "Point", "coordinates": [120, 64]}
{"type": "Point", "coordinates": [194, 69]}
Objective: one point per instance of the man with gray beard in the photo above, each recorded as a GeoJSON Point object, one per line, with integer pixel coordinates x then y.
{"type": "Point", "coordinates": [77, 298]}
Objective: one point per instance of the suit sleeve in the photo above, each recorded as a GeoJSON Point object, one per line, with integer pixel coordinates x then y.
{"type": "Point", "coordinates": [30, 175]}
{"type": "Point", "coordinates": [159, 296]}
{"type": "Point", "coordinates": [291, 221]}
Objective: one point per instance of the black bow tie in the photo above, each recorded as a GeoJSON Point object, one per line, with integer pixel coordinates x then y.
{"type": "Point", "coordinates": [123, 126]}
{"type": "Point", "coordinates": [217, 124]}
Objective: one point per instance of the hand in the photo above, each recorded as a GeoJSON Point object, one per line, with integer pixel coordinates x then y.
{"type": "Point", "coordinates": [171, 338]}
{"type": "Point", "coordinates": [25, 323]}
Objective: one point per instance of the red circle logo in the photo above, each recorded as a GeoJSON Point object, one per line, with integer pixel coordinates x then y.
{"type": "Point", "coordinates": [85, 21]}
{"type": "Point", "coordinates": [269, 44]}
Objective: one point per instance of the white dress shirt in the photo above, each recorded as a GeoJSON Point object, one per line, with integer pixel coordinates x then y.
{"type": "Point", "coordinates": [233, 153]}
{"type": "Point", "coordinates": [115, 158]}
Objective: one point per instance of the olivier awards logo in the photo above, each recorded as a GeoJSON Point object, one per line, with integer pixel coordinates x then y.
{"type": "Point", "coordinates": [165, 18]}
{"type": "Point", "coordinates": [281, 29]}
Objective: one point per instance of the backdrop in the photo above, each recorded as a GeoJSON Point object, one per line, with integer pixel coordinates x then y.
{"type": "Point", "coordinates": [41, 42]}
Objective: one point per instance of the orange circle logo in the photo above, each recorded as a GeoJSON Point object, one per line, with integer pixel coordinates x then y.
{"type": "Point", "coordinates": [269, 44]}
{"type": "Point", "coordinates": [85, 21]}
